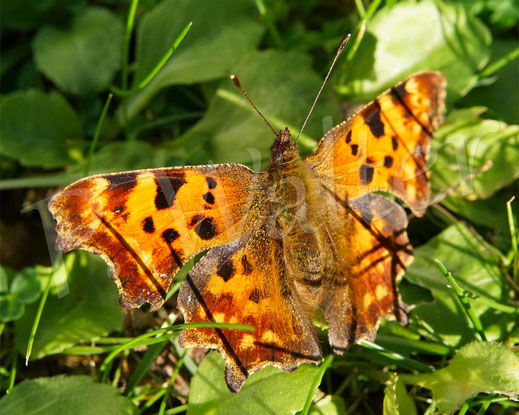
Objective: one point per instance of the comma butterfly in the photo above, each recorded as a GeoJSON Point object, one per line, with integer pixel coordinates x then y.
{"type": "Point", "coordinates": [303, 236]}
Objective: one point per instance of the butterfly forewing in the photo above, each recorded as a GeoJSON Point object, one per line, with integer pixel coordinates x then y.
{"type": "Point", "coordinates": [146, 224]}
{"type": "Point", "coordinates": [386, 144]}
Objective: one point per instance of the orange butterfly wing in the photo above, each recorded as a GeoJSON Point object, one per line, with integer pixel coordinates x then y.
{"type": "Point", "coordinates": [146, 224]}
{"type": "Point", "coordinates": [386, 144]}
{"type": "Point", "coordinates": [245, 282]}
{"type": "Point", "coordinates": [379, 254]}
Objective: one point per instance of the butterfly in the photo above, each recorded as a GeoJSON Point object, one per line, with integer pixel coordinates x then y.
{"type": "Point", "coordinates": [304, 239]}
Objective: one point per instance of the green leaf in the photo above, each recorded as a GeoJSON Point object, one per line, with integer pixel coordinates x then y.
{"type": "Point", "coordinates": [477, 367]}
{"type": "Point", "coordinates": [396, 399]}
{"type": "Point", "coordinates": [26, 14]}
{"type": "Point", "coordinates": [89, 311]}
{"type": "Point", "coordinates": [329, 405]}
{"type": "Point", "coordinates": [476, 270]}
{"type": "Point", "coordinates": [36, 128]}
{"type": "Point", "coordinates": [208, 51]}
{"type": "Point", "coordinates": [429, 35]}
{"type": "Point", "coordinates": [268, 391]}
{"type": "Point", "coordinates": [231, 130]}
{"type": "Point", "coordinates": [26, 285]}
{"type": "Point", "coordinates": [83, 58]}
{"type": "Point", "coordinates": [10, 308]}
{"type": "Point", "coordinates": [79, 395]}
{"type": "Point", "coordinates": [464, 144]}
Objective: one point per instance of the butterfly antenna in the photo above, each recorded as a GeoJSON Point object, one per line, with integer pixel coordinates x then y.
{"type": "Point", "coordinates": [236, 83]}
{"type": "Point", "coordinates": [339, 50]}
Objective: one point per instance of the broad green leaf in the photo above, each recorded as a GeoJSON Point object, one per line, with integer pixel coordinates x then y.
{"type": "Point", "coordinates": [412, 36]}
{"type": "Point", "coordinates": [477, 367]}
{"type": "Point", "coordinates": [26, 285]}
{"type": "Point", "coordinates": [500, 97]}
{"type": "Point", "coordinates": [329, 405]}
{"type": "Point", "coordinates": [208, 51]}
{"type": "Point", "coordinates": [232, 131]}
{"type": "Point", "coordinates": [268, 391]}
{"type": "Point", "coordinates": [476, 270]}
{"type": "Point", "coordinates": [88, 311]}
{"type": "Point", "coordinates": [83, 58]}
{"type": "Point", "coordinates": [396, 399]}
{"type": "Point", "coordinates": [464, 145]}
{"type": "Point", "coordinates": [38, 129]}
{"type": "Point", "coordinates": [78, 395]}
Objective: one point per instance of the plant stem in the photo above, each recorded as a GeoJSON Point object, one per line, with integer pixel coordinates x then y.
{"type": "Point", "coordinates": [504, 60]}
{"type": "Point", "coordinates": [462, 297]}
{"type": "Point", "coordinates": [96, 134]}
{"type": "Point", "coordinates": [515, 242]}
{"type": "Point", "coordinates": [126, 46]}
{"type": "Point", "coordinates": [315, 383]}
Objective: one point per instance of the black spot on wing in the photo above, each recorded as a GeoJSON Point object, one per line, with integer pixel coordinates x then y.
{"type": "Point", "coordinates": [209, 198]}
{"type": "Point", "coordinates": [124, 181]}
{"type": "Point", "coordinates": [195, 219]}
{"type": "Point", "coordinates": [168, 185]}
{"type": "Point", "coordinates": [147, 225]}
{"type": "Point", "coordinates": [169, 235]}
{"type": "Point", "coordinates": [206, 229]}
{"type": "Point", "coordinates": [226, 270]}
{"type": "Point", "coordinates": [394, 142]}
{"type": "Point", "coordinates": [366, 174]}
{"type": "Point", "coordinates": [348, 137]}
{"type": "Point", "coordinates": [211, 183]}
{"type": "Point", "coordinates": [354, 149]}
{"type": "Point", "coordinates": [374, 122]}
{"type": "Point", "coordinates": [388, 161]}
{"type": "Point", "coordinates": [247, 267]}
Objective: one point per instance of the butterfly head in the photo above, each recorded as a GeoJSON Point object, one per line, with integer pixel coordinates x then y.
{"type": "Point", "coordinates": [284, 149]}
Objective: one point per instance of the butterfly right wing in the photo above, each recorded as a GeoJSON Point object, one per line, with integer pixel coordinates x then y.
{"type": "Point", "coordinates": [385, 146]}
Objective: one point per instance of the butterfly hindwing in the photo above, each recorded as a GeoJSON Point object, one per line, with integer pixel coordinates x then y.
{"type": "Point", "coordinates": [379, 254]}
{"type": "Point", "coordinates": [385, 145]}
{"type": "Point", "coordinates": [146, 224]}
{"type": "Point", "coordinates": [244, 282]}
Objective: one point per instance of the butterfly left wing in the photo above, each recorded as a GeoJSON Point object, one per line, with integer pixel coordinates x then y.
{"type": "Point", "coordinates": [246, 282]}
{"type": "Point", "coordinates": [146, 224]}
{"type": "Point", "coordinates": [385, 145]}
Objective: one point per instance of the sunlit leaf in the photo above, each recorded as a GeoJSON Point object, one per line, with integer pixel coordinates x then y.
{"type": "Point", "coordinates": [477, 367]}
{"type": "Point", "coordinates": [413, 36]}
{"type": "Point", "coordinates": [476, 270]}
{"type": "Point", "coordinates": [268, 391]}
{"type": "Point", "coordinates": [79, 395]}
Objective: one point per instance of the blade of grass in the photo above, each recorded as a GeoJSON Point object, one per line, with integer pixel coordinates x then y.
{"type": "Point", "coordinates": [39, 311]}
{"type": "Point", "coordinates": [315, 383]}
{"type": "Point", "coordinates": [271, 27]}
{"type": "Point", "coordinates": [156, 68]}
{"type": "Point", "coordinates": [504, 60]}
{"type": "Point", "coordinates": [96, 134]}
{"type": "Point", "coordinates": [177, 410]}
{"type": "Point", "coordinates": [12, 373]}
{"type": "Point", "coordinates": [397, 357]}
{"type": "Point", "coordinates": [515, 242]}
{"type": "Point", "coordinates": [144, 365]}
{"type": "Point", "coordinates": [133, 342]}
{"type": "Point", "coordinates": [360, 8]}
{"type": "Point", "coordinates": [462, 297]}
{"type": "Point", "coordinates": [126, 48]}
{"type": "Point", "coordinates": [171, 383]}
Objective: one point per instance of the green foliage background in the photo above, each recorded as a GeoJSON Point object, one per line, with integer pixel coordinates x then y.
{"type": "Point", "coordinates": [63, 62]}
